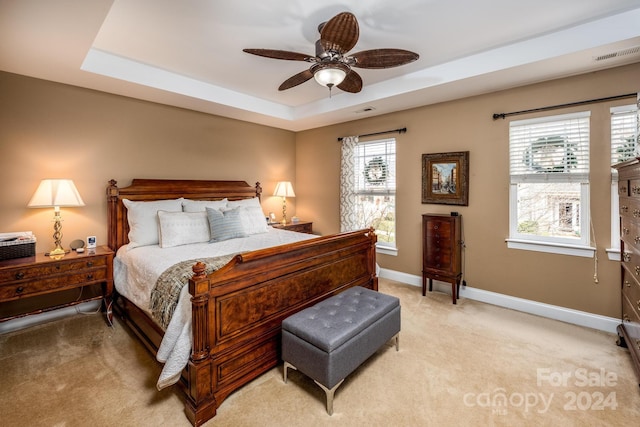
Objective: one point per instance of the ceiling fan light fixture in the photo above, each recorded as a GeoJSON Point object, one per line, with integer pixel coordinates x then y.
{"type": "Point", "coordinates": [330, 75]}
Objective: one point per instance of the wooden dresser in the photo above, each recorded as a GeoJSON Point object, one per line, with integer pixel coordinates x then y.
{"type": "Point", "coordinates": [442, 251]}
{"type": "Point", "coordinates": [629, 193]}
{"type": "Point", "coordinates": [41, 283]}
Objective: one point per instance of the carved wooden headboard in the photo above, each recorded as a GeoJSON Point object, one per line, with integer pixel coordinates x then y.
{"type": "Point", "coordinates": [161, 189]}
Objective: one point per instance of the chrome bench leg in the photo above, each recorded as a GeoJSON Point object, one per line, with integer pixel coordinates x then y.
{"type": "Point", "coordinates": [329, 393]}
{"type": "Point", "coordinates": [287, 365]}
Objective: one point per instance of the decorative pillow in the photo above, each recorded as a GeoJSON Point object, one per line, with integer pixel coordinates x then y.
{"type": "Point", "coordinates": [183, 228]}
{"type": "Point", "coordinates": [202, 205]}
{"type": "Point", "coordinates": [225, 224]}
{"type": "Point", "coordinates": [143, 220]}
{"type": "Point", "coordinates": [253, 218]}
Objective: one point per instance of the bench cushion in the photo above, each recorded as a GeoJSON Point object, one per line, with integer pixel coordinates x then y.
{"type": "Point", "coordinates": [330, 323]}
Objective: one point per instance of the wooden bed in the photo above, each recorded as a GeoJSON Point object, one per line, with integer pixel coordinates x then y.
{"type": "Point", "coordinates": [238, 310]}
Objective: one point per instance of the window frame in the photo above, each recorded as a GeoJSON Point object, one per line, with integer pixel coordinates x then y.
{"type": "Point", "coordinates": [613, 252]}
{"type": "Point", "coordinates": [389, 248]}
{"type": "Point", "coordinates": [551, 244]}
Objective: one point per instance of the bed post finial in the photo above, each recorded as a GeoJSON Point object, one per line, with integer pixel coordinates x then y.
{"type": "Point", "coordinates": [198, 270]}
{"type": "Point", "coordinates": [258, 190]}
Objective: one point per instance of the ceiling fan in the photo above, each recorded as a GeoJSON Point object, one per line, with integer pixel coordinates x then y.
{"type": "Point", "coordinates": [331, 64]}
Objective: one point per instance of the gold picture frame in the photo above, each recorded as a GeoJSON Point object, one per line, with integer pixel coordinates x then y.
{"type": "Point", "coordinates": [445, 178]}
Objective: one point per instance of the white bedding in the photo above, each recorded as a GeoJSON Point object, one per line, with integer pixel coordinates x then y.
{"type": "Point", "coordinates": [136, 271]}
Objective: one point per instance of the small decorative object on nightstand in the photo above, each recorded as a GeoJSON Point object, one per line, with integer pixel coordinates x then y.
{"type": "Point", "coordinates": [28, 285]}
{"type": "Point", "coordinates": [300, 226]}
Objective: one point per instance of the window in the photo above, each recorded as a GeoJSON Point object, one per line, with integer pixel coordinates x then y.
{"type": "Point", "coordinates": [624, 125]}
{"type": "Point", "coordinates": [549, 184]}
{"type": "Point", "coordinates": [372, 202]}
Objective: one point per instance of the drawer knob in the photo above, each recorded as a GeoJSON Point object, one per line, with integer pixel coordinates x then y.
{"type": "Point", "coordinates": [637, 270]}
{"type": "Point", "coordinates": [624, 208]}
{"type": "Point", "coordinates": [89, 263]}
{"type": "Point", "coordinates": [625, 317]}
{"type": "Point", "coordinates": [19, 275]}
{"type": "Point", "coordinates": [627, 283]}
{"type": "Point", "coordinates": [19, 290]}
{"type": "Point", "coordinates": [636, 239]}
{"type": "Point", "coordinates": [638, 304]}
{"type": "Point", "coordinates": [626, 256]}
{"type": "Point", "coordinates": [625, 230]}
{"type": "Point", "coordinates": [89, 276]}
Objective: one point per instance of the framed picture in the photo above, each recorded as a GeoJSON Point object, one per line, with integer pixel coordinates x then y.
{"type": "Point", "coordinates": [445, 178]}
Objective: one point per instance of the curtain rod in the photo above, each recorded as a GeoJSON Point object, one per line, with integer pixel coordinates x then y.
{"type": "Point", "coordinates": [401, 130]}
{"type": "Point", "coordinates": [571, 104]}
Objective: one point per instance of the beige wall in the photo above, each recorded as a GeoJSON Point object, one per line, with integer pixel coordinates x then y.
{"type": "Point", "coordinates": [467, 125]}
{"type": "Point", "coordinates": [49, 130]}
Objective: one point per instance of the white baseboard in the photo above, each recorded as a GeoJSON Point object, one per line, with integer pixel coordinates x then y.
{"type": "Point", "coordinates": [47, 316]}
{"type": "Point", "coordinates": [576, 317]}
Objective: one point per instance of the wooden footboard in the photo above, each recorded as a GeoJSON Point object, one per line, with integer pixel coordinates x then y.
{"type": "Point", "coordinates": [238, 309]}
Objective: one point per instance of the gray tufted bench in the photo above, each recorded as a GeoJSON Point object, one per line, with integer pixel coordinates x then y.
{"type": "Point", "coordinates": [330, 340]}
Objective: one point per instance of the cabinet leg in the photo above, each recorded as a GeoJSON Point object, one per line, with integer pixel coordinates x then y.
{"type": "Point", "coordinates": [430, 285]}
{"type": "Point", "coordinates": [424, 286]}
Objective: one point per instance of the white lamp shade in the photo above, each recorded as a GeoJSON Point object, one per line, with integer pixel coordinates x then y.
{"type": "Point", "coordinates": [56, 192]}
{"type": "Point", "coordinates": [284, 189]}
{"type": "Point", "coordinates": [330, 76]}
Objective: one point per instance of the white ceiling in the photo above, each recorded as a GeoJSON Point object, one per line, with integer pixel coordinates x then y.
{"type": "Point", "coordinates": [188, 53]}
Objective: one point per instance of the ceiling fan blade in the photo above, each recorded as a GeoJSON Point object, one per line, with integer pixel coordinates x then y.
{"type": "Point", "coordinates": [279, 54]}
{"type": "Point", "coordinates": [352, 83]}
{"type": "Point", "coordinates": [340, 33]}
{"type": "Point", "coordinates": [296, 80]}
{"type": "Point", "coordinates": [383, 58]}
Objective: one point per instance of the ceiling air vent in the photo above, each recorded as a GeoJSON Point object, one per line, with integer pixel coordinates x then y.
{"type": "Point", "coordinates": [630, 51]}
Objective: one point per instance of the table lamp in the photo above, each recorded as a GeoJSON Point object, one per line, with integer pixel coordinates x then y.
{"type": "Point", "coordinates": [284, 190]}
{"type": "Point", "coordinates": [56, 193]}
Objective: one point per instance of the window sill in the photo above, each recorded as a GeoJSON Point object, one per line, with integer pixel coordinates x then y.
{"type": "Point", "coordinates": [613, 254]}
{"type": "Point", "coordinates": [386, 250]}
{"type": "Point", "coordinates": [553, 248]}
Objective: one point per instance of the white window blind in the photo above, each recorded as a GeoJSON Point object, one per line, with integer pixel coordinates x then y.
{"type": "Point", "coordinates": [376, 167]}
{"type": "Point", "coordinates": [624, 121]}
{"type": "Point", "coordinates": [550, 149]}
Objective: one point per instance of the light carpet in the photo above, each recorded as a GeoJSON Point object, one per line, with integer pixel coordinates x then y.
{"type": "Point", "coordinates": [470, 364]}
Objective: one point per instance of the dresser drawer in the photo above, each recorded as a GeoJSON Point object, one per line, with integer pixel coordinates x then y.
{"type": "Point", "coordinates": [634, 187]}
{"type": "Point", "coordinates": [631, 324]}
{"type": "Point", "coordinates": [623, 187]}
{"type": "Point", "coordinates": [630, 208]}
{"type": "Point", "coordinates": [19, 289]}
{"type": "Point", "coordinates": [438, 228]}
{"type": "Point", "coordinates": [48, 269]}
{"type": "Point", "coordinates": [631, 289]}
{"type": "Point", "coordinates": [438, 252]}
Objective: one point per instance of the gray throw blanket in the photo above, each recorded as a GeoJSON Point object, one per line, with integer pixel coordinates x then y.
{"type": "Point", "coordinates": [164, 296]}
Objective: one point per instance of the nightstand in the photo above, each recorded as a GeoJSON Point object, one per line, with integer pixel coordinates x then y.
{"type": "Point", "coordinates": [300, 226]}
{"type": "Point", "coordinates": [40, 283]}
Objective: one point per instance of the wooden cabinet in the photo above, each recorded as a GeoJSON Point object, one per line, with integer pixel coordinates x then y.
{"type": "Point", "coordinates": [442, 251]}
{"type": "Point", "coordinates": [629, 205]}
{"type": "Point", "coordinates": [41, 283]}
{"type": "Point", "coordinates": [300, 226]}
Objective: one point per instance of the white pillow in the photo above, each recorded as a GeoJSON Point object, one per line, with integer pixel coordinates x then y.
{"type": "Point", "coordinates": [253, 220]}
{"type": "Point", "coordinates": [143, 220]}
{"type": "Point", "coordinates": [183, 228]}
{"type": "Point", "coordinates": [225, 224]}
{"type": "Point", "coordinates": [202, 205]}
{"type": "Point", "coordinates": [252, 216]}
